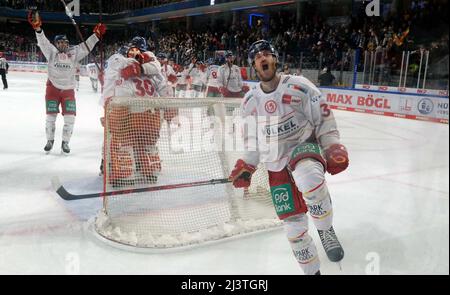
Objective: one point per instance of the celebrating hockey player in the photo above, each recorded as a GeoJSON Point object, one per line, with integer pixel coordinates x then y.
{"type": "Point", "coordinates": [198, 75]}
{"type": "Point", "coordinates": [167, 71]}
{"type": "Point", "coordinates": [62, 62]}
{"type": "Point", "coordinates": [184, 80]}
{"type": "Point", "coordinates": [230, 79]}
{"type": "Point", "coordinates": [212, 84]}
{"type": "Point", "coordinates": [306, 145]}
{"type": "Point", "coordinates": [134, 72]}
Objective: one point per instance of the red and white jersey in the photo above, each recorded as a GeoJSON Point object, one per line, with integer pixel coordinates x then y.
{"type": "Point", "coordinates": [142, 86]}
{"type": "Point", "coordinates": [167, 70]}
{"type": "Point", "coordinates": [294, 113]}
{"type": "Point", "coordinates": [198, 77]}
{"type": "Point", "coordinates": [212, 76]}
{"type": "Point", "coordinates": [230, 78]}
{"type": "Point", "coordinates": [62, 65]}
{"type": "Point", "coordinates": [92, 71]}
{"type": "Point", "coordinates": [182, 76]}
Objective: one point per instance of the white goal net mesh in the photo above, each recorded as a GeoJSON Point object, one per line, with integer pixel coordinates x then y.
{"type": "Point", "coordinates": [164, 142]}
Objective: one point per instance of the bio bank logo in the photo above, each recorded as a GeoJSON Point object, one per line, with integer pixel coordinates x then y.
{"type": "Point", "coordinates": [373, 8]}
{"type": "Point", "coordinates": [73, 8]}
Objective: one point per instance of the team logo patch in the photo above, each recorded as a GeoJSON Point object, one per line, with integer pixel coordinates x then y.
{"type": "Point", "coordinates": [425, 106]}
{"type": "Point", "coordinates": [282, 199]}
{"type": "Point", "coordinates": [288, 99]}
{"type": "Point", "coordinates": [270, 106]}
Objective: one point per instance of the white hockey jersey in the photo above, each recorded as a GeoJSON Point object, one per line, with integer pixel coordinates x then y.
{"type": "Point", "coordinates": [143, 86]}
{"type": "Point", "coordinates": [182, 77]}
{"type": "Point", "coordinates": [212, 76]}
{"type": "Point", "coordinates": [92, 71]}
{"type": "Point", "coordinates": [62, 65]}
{"type": "Point", "coordinates": [230, 78]}
{"type": "Point", "coordinates": [198, 77]}
{"type": "Point", "coordinates": [294, 113]}
{"type": "Point", "coordinates": [168, 70]}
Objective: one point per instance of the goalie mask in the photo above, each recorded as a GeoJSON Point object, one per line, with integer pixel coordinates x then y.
{"type": "Point", "coordinates": [136, 46]}
{"type": "Point", "coordinates": [61, 43]}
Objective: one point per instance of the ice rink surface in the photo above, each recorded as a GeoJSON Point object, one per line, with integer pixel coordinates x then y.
{"type": "Point", "coordinates": [391, 205]}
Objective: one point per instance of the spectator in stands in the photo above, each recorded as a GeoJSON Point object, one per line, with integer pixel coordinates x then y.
{"type": "Point", "coordinates": [326, 78]}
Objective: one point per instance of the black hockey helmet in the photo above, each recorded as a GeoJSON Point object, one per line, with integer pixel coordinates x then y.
{"type": "Point", "coordinates": [259, 46]}
{"type": "Point", "coordinates": [229, 53]}
{"type": "Point", "coordinates": [161, 55]}
{"type": "Point", "coordinates": [139, 42]}
{"type": "Point", "coordinates": [58, 39]}
{"type": "Point", "coordinates": [61, 38]}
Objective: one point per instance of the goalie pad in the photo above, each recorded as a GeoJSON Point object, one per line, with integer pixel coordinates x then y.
{"type": "Point", "coordinates": [146, 126]}
{"type": "Point", "coordinates": [122, 161]}
{"type": "Point", "coordinates": [286, 198]}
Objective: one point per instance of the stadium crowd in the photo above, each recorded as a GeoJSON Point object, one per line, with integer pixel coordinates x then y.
{"type": "Point", "coordinates": [314, 39]}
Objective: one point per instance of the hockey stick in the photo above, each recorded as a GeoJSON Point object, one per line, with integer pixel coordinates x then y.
{"type": "Point", "coordinates": [70, 15]}
{"type": "Point", "coordinates": [64, 194]}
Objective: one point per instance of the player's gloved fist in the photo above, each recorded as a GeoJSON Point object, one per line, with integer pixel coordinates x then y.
{"type": "Point", "coordinates": [144, 57]}
{"type": "Point", "coordinates": [100, 30]}
{"type": "Point", "coordinates": [224, 91]}
{"type": "Point", "coordinates": [245, 88]}
{"type": "Point", "coordinates": [241, 175]}
{"type": "Point", "coordinates": [133, 70]}
{"type": "Point", "coordinates": [34, 19]}
{"type": "Point", "coordinates": [337, 159]}
{"type": "Point", "coordinates": [172, 78]}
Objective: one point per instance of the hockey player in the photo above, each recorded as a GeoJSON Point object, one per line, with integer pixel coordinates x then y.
{"type": "Point", "coordinates": [306, 145]}
{"type": "Point", "coordinates": [134, 72]}
{"type": "Point", "coordinates": [62, 61]}
{"type": "Point", "coordinates": [198, 75]}
{"type": "Point", "coordinates": [4, 66]}
{"type": "Point", "coordinates": [230, 79]}
{"type": "Point", "coordinates": [92, 72]}
{"type": "Point", "coordinates": [168, 72]}
{"type": "Point", "coordinates": [183, 81]}
{"type": "Point", "coordinates": [212, 84]}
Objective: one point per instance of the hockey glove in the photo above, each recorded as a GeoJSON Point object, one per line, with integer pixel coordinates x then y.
{"type": "Point", "coordinates": [133, 70]}
{"type": "Point", "coordinates": [245, 88]}
{"type": "Point", "coordinates": [337, 159]}
{"type": "Point", "coordinates": [100, 30]}
{"type": "Point", "coordinates": [172, 78]}
{"type": "Point", "coordinates": [241, 175]}
{"type": "Point", "coordinates": [224, 91]}
{"type": "Point", "coordinates": [34, 19]}
{"type": "Point", "coordinates": [145, 57]}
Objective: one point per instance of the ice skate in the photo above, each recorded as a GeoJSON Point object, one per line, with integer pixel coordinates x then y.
{"type": "Point", "coordinates": [48, 147]}
{"type": "Point", "coordinates": [331, 244]}
{"type": "Point", "coordinates": [65, 148]}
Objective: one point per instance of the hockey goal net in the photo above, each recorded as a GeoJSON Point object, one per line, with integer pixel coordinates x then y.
{"type": "Point", "coordinates": [164, 141]}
